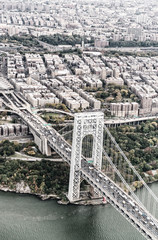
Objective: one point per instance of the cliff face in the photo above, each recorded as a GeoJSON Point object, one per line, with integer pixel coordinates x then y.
{"type": "Point", "coordinates": [21, 187]}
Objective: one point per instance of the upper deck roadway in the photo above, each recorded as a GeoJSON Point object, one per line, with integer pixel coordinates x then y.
{"type": "Point", "coordinates": [135, 213]}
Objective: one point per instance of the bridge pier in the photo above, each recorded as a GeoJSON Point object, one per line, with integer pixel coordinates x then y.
{"type": "Point", "coordinates": [90, 123]}
{"type": "Point", "coordinates": [45, 148]}
{"type": "Point", "coordinates": [42, 144]}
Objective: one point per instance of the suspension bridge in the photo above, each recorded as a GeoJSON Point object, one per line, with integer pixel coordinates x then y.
{"type": "Point", "coordinates": [116, 179]}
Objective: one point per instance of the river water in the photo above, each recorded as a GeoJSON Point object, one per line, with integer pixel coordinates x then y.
{"type": "Point", "coordinates": [25, 217]}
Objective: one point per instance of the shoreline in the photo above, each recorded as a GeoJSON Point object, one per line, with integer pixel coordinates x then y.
{"type": "Point", "coordinates": [44, 197]}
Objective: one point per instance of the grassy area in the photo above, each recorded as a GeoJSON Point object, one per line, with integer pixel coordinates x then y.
{"type": "Point", "coordinates": [59, 106]}
{"type": "Point", "coordinates": [17, 155]}
{"type": "Point", "coordinates": [55, 118]}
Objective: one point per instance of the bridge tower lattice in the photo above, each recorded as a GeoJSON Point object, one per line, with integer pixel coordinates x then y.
{"type": "Point", "coordinates": [90, 123]}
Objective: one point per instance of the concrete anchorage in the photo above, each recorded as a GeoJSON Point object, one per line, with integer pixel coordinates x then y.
{"type": "Point", "coordinates": [89, 123]}
{"type": "Point", "coordinates": [42, 143]}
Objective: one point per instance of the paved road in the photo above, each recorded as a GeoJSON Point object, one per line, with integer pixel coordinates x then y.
{"type": "Point", "coordinates": [25, 157]}
{"type": "Point", "coordinates": [128, 120]}
{"type": "Point", "coordinates": [31, 159]}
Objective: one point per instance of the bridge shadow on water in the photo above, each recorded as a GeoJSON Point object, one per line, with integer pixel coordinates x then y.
{"type": "Point", "coordinates": [98, 223]}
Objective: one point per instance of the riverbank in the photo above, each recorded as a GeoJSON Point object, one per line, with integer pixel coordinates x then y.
{"type": "Point", "coordinates": [43, 197]}
{"type": "Point", "coordinates": [44, 179]}
{"type": "Point", "coordinates": [22, 188]}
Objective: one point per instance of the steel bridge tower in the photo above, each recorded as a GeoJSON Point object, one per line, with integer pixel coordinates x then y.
{"type": "Point", "coordinates": [89, 123]}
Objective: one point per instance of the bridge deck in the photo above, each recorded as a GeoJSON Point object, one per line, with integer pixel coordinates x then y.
{"type": "Point", "coordinates": [128, 207]}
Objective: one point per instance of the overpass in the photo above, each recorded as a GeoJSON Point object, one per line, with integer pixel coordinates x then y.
{"type": "Point", "coordinates": [129, 121]}
{"type": "Point", "coordinates": [53, 110]}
